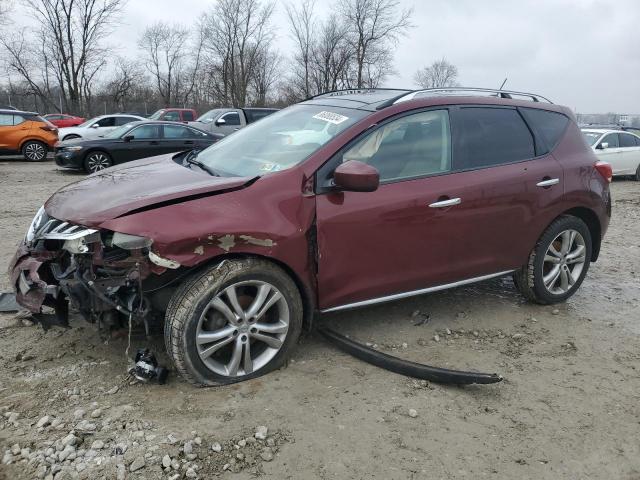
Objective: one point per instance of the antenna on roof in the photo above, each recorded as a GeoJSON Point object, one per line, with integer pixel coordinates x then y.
{"type": "Point", "coordinates": [505, 81]}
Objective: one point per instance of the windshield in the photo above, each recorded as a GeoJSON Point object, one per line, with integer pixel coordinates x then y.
{"type": "Point", "coordinates": [156, 115]}
{"type": "Point", "coordinates": [279, 141]}
{"type": "Point", "coordinates": [210, 116]}
{"type": "Point", "coordinates": [118, 132]}
{"type": "Point", "coordinates": [88, 122]}
{"type": "Point", "coordinates": [591, 137]}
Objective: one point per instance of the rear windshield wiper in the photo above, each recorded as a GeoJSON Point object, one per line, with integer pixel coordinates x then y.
{"type": "Point", "coordinates": [191, 159]}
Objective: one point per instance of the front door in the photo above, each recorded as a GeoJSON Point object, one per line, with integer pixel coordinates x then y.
{"type": "Point", "coordinates": [145, 143]}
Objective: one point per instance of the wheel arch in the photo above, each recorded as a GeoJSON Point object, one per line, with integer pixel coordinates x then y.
{"type": "Point", "coordinates": [33, 139]}
{"type": "Point", "coordinates": [306, 293]}
{"type": "Point", "coordinates": [590, 218]}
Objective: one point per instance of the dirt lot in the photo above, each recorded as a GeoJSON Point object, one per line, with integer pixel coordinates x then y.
{"type": "Point", "coordinates": [569, 406]}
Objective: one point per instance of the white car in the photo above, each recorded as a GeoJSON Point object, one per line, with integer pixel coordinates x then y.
{"type": "Point", "coordinates": [97, 127]}
{"type": "Point", "coordinates": [619, 148]}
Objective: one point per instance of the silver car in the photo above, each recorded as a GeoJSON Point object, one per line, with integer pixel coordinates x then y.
{"type": "Point", "coordinates": [228, 120]}
{"type": "Point", "coordinates": [97, 126]}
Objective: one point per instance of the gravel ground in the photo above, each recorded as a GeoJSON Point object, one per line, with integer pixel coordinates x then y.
{"type": "Point", "coordinates": [568, 407]}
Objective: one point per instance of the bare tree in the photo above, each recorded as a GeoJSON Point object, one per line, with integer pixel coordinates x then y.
{"type": "Point", "coordinates": [238, 35]}
{"type": "Point", "coordinates": [439, 74]}
{"type": "Point", "coordinates": [69, 50]}
{"type": "Point", "coordinates": [332, 55]}
{"type": "Point", "coordinates": [172, 59]}
{"type": "Point", "coordinates": [126, 79]}
{"type": "Point", "coordinates": [375, 27]}
{"type": "Point", "coordinates": [302, 31]}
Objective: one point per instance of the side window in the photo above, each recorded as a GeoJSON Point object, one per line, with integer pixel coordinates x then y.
{"type": "Point", "coordinates": [611, 140]}
{"type": "Point", "coordinates": [232, 118]}
{"type": "Point", "coordinates": [626, 140]}
{"type": "Point", "coordinates": [550, 125]}
{"type": "Point", "coordinates": [176, 131]}
{"type": "Point", "coordinates": [171, 116]}
{"type": "Point", "coordinates": [119, 121]}
{"type": "Point", "coordinates": [187, 116]}
{"type": "Point", "coordinates": [491, 136]}
{"type": "Point", "coordinates": [144, 132]}
{"type": "Point", "coordinates": [106, 122]}
{"type": "Point", "coordinates": [18, 119]}
{"type": "Point", "coordinates": [411, 146]}
{"type": "Point", "coordinates": [6, 120]}
{"type": "Point", "coordinates": [637, 140]}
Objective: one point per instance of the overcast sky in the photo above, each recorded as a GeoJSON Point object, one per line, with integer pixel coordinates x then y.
{"type": "Point", "coordinates": [581, 53]}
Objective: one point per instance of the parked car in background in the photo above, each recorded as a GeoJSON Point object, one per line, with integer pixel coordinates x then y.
{"type": "Point", "coordinates": [131, 142]}
{"type": "Point", "coordinates": [174, 115]}
{"type": "Point", "coordinates": [97, 127]}
{"type": "Point", "coordinates": [621, 149]}
{"type": "Point", "coordinates": [228, 120]}
{"type": "Point", "coordinates": [238, 245]}
{"type": "Point", "coordinates": [62, 120]}
{"type": "Point", "coordinates": [26, 133]}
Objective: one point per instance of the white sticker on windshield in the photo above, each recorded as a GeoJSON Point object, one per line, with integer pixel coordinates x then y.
{"type": "Point", "coordinates": [331, 117]}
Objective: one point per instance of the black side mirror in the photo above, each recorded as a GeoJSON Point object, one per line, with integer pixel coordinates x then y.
{"type": "Point", "coordinates": [128, 138]}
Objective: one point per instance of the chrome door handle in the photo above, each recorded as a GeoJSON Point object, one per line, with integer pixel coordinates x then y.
{"type": "Point", "coordinates": [548, 183]}
{"type": "Point", "coordinates": [446, 203]}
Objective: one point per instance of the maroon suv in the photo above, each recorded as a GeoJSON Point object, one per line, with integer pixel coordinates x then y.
{"type": "Point", "coordinates": [344, 200]}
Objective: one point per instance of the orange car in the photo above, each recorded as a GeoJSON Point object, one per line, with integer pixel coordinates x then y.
{"type": "Point", "coordinates": [26, 133]}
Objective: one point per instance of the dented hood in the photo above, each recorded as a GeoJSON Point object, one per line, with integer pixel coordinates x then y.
{"type": "Point", "coordinates": [140, 184]}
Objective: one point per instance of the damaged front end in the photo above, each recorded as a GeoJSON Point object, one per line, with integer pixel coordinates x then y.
{"type": "Point", "coordinates": [108, 277]}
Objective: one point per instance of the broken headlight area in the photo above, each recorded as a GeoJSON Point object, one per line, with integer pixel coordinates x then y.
{"type": "Point", "coordinates": [109, 277]}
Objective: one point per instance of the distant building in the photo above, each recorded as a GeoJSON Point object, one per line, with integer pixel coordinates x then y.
{"type": "Point", "coordinates": [626, 119]}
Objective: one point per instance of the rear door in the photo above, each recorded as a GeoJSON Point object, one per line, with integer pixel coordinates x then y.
{"type": "Point", "coordinates": [630, 153]}
{"type": "Point", "coordinates": [511, 184]}
{"type": "Point", "coordinates": [177, 138]}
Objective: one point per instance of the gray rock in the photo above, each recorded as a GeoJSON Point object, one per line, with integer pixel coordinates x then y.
{"type": "Point", "coordinates": [261, 432]}
{"type": "Point", "coordinates": [413, 413]}
{"type": "Point", "coordinates": [188, 448]}
{"type": "Point", "coordinates": [113, 390]}
{"type": "Point", "coordinates": [7, 459]}
{"type": "Point", "coordinates": [44, 421]}
{"type": "Point", "coordinates": [15, 449]}
{"type": "Point", "coordinates": [96, 413]}
{"type": "Point", "coordinates": [70, 439]}
{"type": "Point", "coordinates": [97, 445]}
{"type": "Point", "coordinates": [55, 422]}
{"type": "Point", "coordinates": [191, 456]}
{"type": "Point", "coordinates": [166, 461]}
{"type": "Point", "coordinates": [121, 472]}
{"type": "Point", "coordinates": [266, 454]}
{"type": "Point", "coordinates": [216, 447]}
{"type": "Point", "coordinates": [79, 413]}
{"type": "Point", "coordinates": [41, 471]}
{"type": "Point", "coordinates": [191, 473]}
{"type": "Point", "coordinates": [555, 311]}
{"type": "Point", "coordinates": [137, 464]}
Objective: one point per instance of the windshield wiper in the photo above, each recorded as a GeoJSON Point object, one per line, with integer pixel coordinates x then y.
{"type": "Point", "coordinates": [191, 159]}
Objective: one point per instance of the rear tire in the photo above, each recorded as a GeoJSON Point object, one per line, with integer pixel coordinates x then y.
{"type": "Point", "coordinates": [97, 161]}
{"type": "Point", "coordinates": [214, 341]}
{"type": "Point", "coordinates": [558, 263]}
{"type": "Point", "coordinates": [34, 151]}
{"type": "Point", "coordinates": [637, 176]}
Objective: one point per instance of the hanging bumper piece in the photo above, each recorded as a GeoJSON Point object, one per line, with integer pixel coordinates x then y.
{"type": "Point", "coordinates": [405, 367]}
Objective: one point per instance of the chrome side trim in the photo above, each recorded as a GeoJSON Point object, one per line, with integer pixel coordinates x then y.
{"type": "Point", "coordinates": [398, 296]}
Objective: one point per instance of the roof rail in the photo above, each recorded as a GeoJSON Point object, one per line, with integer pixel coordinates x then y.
{"type": "Point", "coordinates": [349, 91]}
{"type": "Point", "coordinates": [463, 90]}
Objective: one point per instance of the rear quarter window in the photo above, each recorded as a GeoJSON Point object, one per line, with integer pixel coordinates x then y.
{"type": "Point", "coordinates": [549, 125]}
{"type": "Point", "coordinates": [490, 136]}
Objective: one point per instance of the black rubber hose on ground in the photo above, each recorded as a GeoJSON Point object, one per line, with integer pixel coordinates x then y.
{"type": "Point", "coordinates": [405, 367]}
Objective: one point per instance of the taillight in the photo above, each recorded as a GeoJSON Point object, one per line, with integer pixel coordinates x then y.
{"type": "Point", "coordinates": [49, 128]}
{"type": "Point", "coordinates": [605, 170]}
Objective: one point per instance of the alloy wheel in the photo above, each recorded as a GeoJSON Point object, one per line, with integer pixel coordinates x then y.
{"type": "Point", "coordinates": [97, 162]}
{"type": "Point", "coordinates": [563, 262]}
{"type": "Point", "coordinates": [35, 152]}
{"type": "Point", "coordinates": [242, 328]}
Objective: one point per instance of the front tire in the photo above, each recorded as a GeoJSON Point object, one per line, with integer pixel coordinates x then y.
{"type": "Point", "coordinates": [34, 151]}
{"type": "Point", "coordinates": [637, 176]}
{"type": "Point", "coordinates": [97, 161]}
{"type": "Point", "coordinates": [237, 320]}
{"type": "Point", "coordinates": [558, 263]}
